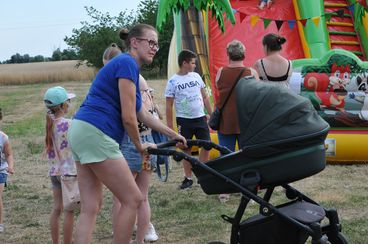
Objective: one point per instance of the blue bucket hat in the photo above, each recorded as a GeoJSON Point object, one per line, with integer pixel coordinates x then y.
{"type": "Point", "coordinates": [56, 95]}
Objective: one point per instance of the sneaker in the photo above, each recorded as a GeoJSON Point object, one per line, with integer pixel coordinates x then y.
{"type": "Point", "coordinates": [151, 234]}
{"type": "Point", "coordinates": [187, 183]}
{"type": "Point", "coordinates": [2, 228]}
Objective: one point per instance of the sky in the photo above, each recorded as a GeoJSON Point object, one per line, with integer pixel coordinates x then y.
{"type": "Point", "coordinates": [38, 27]}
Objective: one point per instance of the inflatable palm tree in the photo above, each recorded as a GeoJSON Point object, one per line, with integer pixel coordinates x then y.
{"type": "Point", "coordinates": [190, 20]}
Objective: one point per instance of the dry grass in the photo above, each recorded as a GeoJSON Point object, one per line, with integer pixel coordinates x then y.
{"type": "Point", "coordinates": [30, 73]}
{"type": "Point", "coordinates": [179, 216]}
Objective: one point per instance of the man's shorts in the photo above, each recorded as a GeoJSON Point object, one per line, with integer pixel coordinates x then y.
{"type": "Point", "coordinates": [134, 158]}
{"type": "Point", "coordinates": [197, 127]}
{"type": "Point", "coordinates": [91, 145]}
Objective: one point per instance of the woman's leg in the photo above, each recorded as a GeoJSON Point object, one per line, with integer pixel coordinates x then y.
{"type": "Point", "coordinates": [68, 226]}
{"type": "Point", "coordinates": [55, 215]}
{"type": "Point", "coordinates": [90, 189]}
{"type": "Point", "coordinates": [144, 210]}
{"type": "Point", "coordinates": [228, 141]}
{"type": "Point", "coordinates": [115, 173]}
{"type": "Point", "coordinates": [115, 210]}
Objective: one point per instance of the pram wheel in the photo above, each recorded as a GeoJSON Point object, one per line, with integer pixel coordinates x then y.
{"type": "Point", "coordinates": [338, 239]}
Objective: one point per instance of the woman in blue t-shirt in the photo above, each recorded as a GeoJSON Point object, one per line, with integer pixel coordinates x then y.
{"type": "Point", "coordinates": [110, 110]}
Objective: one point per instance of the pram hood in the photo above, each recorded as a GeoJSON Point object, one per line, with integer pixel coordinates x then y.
{"type": "Point", "coordinates": [273, 119]}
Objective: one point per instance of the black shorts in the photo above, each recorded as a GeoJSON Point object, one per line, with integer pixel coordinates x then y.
{"type": "Point", "coordinates": [193, 127]}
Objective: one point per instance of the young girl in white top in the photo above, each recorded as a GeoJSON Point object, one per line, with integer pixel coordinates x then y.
{"type": "Point", "coordinates": [6, 167]}
{"type": "Point", "coordinates": [59, 156]}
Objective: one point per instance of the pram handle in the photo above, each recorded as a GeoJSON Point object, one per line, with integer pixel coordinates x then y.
{"type": "Point", "coordinates": [208, 145]}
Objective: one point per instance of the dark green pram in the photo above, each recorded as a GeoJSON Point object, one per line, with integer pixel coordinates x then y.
{"type": "Point", "coordinates": [281, 141]}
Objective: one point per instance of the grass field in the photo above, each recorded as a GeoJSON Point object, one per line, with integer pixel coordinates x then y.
{"type": "Point", "coordinates": [179, 216]}
{"type": "Point", "coordinates": [44, 72]}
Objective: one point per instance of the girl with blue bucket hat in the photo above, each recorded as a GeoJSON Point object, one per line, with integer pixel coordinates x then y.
{"type": "Point", "coordinates": [59, 157]}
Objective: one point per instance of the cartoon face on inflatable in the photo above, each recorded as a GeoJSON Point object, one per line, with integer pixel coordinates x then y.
{"type": "Point", "coordinates": [338, 89]}
{"type": "Point", "coordinates": [329, 89]}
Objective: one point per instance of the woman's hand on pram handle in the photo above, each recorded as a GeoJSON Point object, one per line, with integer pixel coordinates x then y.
{"type": "Point", "coordinates": [180, 140]}
{"type": "Point", "coordinates": [144, 153]}
{"type": "Point", "coordinates": [208, 145]}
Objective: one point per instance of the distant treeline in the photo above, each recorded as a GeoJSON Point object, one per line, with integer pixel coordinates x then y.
{"type": "Point", "coordinates": [57, 55]}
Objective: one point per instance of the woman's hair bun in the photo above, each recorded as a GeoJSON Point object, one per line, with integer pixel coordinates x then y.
{"type": "Point", "coordinates": [123, 34]}
{"type": "Point", "coordinates": [281, 40]}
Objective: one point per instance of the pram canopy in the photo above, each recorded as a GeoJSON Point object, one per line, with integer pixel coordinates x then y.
{"type": "Point", "coordinates": [273, 119]}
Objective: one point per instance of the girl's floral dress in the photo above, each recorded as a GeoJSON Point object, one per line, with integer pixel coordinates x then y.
{"type": "Point", "coordinates": [60, 158]}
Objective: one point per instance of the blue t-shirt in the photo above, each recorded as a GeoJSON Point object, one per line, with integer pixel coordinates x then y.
{"type": "Point", "coordinates": [101, 107]}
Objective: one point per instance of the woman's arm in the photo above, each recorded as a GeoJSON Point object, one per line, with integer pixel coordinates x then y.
{"type": "Point", "coordinates": [254, 73]}
{"type": "Point", "coordinates": [9, 157]}
{"type": "Point", "coordinates": [206, 102]}
{"type": "Point", "coordinates": [157, 109]}
{"type": "Point", "coordinates": [150, 121]}
{"type": "Point", "coordinates": [218, 75]}
{"type": "Point", "coordinates": [169, 112]}
{"type": "Point", "coordinates": [256, 66]}
{"type": "Point", "coordinates": [127, 90]}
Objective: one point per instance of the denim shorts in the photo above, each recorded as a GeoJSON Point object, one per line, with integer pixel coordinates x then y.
{"type": "Point", "coordinates": [3, 178]}
{"type": "Point", "coordinates": [55, 182]}
{"type": "Point", "coordinates": [133, 157]}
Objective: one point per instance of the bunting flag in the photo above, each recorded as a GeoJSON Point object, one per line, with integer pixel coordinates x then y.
{"type": "Point", "coordinates": [242, 16]}
{"type": "Point", "coordinates": [328, 17]}
{"type": "Point", "coordinates": [266, 23]}
{"type": "Point", "coordinates": [291, 23]}
{"type": "Point", "coordinates": [279, 24]}
{"type": "Point", "coordinates": [253, 20]}
{"type": "Point", "coordinates": [316, 20]}
{"type": "Point", "coordinates": [303, 21]}
{"type": "Point", "coordinates": [351, 9]}
{"type": "Point", "coordinates": [340, 13]}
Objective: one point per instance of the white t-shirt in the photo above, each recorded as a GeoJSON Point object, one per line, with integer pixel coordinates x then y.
{"type": "Point", "coordinates": [186, 91]}
{"type": "Point", "coordinates": [3, 163]}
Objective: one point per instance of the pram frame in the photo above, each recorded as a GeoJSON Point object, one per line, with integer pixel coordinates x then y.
{"type": "Point", "coordinates": [320, 234]}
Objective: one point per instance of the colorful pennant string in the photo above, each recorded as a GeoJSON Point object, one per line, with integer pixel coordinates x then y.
{"type": "Point", "coordinates": [291, 23]}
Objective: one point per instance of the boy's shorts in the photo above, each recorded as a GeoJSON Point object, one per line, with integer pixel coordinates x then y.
{"type": "Point", "coordinates": [55, 182]}
{"type": "Point", "coordinates": [91, 145]}
{"type": "Point", "coordinates": [197, 127]}
{"type": "Point", "coordinates": [133, 157]}
{"type": "Point", "coordinates": [3, 178]}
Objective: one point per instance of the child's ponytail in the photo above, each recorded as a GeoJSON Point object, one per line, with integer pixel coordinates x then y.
{"type": "Point", "coordinates": [49, 132]}
{"type": "Point", "coordinates": [49, 137]}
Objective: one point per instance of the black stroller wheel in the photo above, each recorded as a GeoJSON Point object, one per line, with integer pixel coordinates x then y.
{"type": "Point", "coordinates": [338, 239]}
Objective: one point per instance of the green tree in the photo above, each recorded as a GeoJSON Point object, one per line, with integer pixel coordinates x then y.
{"type": "Point", "coordinates": [38, 58]}
{"type": "Point", "coordinates": [56, 55]}
{"type": "Point", "coordinates": [94, 36]}
{"type": "Point", "coordinates": [147, 13]}
{"type": "Point", "coordinates": [91, 39]}
{"type": "Point", "coordinates": [69, 54]}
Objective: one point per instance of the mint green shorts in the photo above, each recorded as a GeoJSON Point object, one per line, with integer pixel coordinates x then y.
{"type": "Point", "coordinates": [91, 145]}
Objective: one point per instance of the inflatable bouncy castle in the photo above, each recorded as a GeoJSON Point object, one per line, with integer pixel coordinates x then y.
{"type": "Point", "coordinates": [327, 41]}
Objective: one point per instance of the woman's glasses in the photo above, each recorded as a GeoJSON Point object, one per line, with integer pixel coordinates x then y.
{"type": "Point", "coordinates": [151, 43]}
